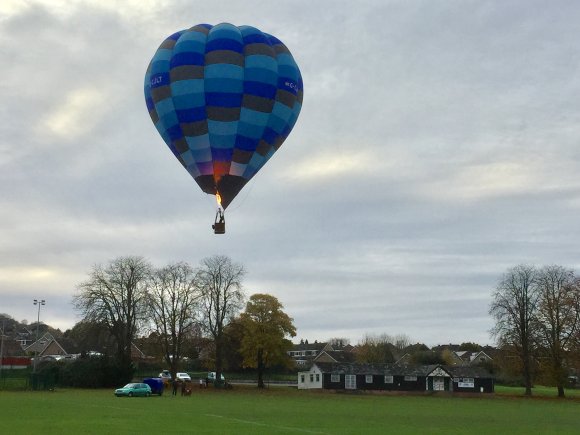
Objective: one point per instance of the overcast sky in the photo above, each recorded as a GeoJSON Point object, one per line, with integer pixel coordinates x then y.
{"type": "Point", "coordinates": [438, 146]}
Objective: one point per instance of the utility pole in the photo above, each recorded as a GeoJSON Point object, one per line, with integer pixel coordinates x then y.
{"type": "Point", "coordinates": [39, 303]}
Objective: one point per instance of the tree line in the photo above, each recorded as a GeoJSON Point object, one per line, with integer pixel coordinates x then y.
{"type": "Point", "coordinates": [177, 302]}
{"type": "Point", "coordinates": [537, 319]}
{"type": "Point", "coordinates": [180, 311]}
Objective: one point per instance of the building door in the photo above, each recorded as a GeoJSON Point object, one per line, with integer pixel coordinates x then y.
{"type": "Point", "coordinates": [350, 382]}
{"type": "Point", "coordinates": [438, 383]}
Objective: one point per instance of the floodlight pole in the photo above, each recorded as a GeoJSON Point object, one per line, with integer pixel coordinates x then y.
{"type": "Point", "coordinates": [2, 346]}
{"type": "Point", "coordinates": [39, 303]}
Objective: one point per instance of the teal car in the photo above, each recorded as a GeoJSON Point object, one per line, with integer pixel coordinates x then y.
{"type": "Point", "coordinates": [134, 389]}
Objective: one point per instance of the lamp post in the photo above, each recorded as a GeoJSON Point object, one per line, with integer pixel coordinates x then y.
{"type": "Point", "coordinates": [39, 303]}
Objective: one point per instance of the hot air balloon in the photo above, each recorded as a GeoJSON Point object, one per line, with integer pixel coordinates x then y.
{"type": "Point", "coordinates": [224, 99]}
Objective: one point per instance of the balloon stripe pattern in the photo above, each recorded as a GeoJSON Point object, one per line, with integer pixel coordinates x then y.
{"type": "Point", "coordinates": [224, 99]}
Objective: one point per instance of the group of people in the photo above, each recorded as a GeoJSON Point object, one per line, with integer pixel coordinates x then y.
{"type": "Point", "coordinates": [186, 386]}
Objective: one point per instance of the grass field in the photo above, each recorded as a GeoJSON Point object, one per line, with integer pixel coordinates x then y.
{"type": "Point", "coordinates": [246, 410]}
{"type": "Point", "coordinates": [537, 391]}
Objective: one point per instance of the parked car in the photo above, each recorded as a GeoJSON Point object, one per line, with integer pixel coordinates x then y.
{"type": "Point", "coordinates": [211, 377]}
{"type": "Point", "coordinates": [165, 375]}
{"type": "Point", "coordinates": [156, 385]}
{"type": "Point", "coordinates": [134, 389]}
{"type": "Point", "coordinates": [182, 377]}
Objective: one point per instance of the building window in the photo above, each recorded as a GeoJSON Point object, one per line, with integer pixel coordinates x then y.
{"type": "Point", "coordinates": [317, 377]}
{"type": "Point", "coordinates": [388, 379]}
{"type": "Point", "coordinates": [301, 379]}
{"type": "Point", "coordinates": [350, 382]}
{"type": "Point", "coordinates": [410, 378]}
{"type": "Point", "coordinates": [369, 379]}
{"type": "Point", "coordinates": [311, 377]}
{"type": "Point", "coordinates": [334, 378]}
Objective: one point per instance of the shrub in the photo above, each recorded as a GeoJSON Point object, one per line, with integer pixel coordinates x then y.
{"type": "Point", "coordinates": [93, 372]}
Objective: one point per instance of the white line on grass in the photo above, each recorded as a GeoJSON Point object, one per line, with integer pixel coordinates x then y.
{"type": "Point", "coordinates": [111, 407]}
{"type": "Point", "coordinates": [257, 423]}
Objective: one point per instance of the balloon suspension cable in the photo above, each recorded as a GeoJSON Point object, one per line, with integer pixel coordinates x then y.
{"type": "Point", "coordinates": [219, 226]}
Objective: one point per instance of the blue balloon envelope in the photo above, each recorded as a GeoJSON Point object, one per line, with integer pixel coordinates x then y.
{"type": "Point", "coordinates": [224, 99]}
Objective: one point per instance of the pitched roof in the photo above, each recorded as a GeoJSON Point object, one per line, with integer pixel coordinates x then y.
{"type": "Point", "coordinates": [338, 356]}
{"type": "Point", "coordinates": [24, 332]}
{"type": "Point", "coordinates": [400, 370]}
{"type": "Point", "coordinates": [136, 352]}
{"type": "Point", "coordinates": [39, 346]}
{"type": "Point", "coordinates": [480, 355]}
{"type": "Point", "coordinates": [352, 368]}
{"type": "Point", "coordinates": [405, 359]}
{"type": "Point", "coordinates": [468, 372]}
{"type": "Point", "coordinates": [371, 369]}
{"type": "Point", "coordinates": [311, 346]}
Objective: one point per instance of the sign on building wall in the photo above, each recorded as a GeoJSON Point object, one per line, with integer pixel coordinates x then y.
{"type": "Point", "coordinates": [466, 383]}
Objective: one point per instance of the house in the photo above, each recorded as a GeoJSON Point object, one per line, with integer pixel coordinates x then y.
{"type": "Point", "coordinates": [464, 357]}
{"type": "Point", "coordinates": [335, 356]}
{"type": "Point", "coordinates": [136, 353]}
{"type": "Point", "coordinates": [393, 377]}
{"type": "Point", "coordinates": [304, 353]}
{"type": "Point", "coordinates": [405, 359]}
{"type": "Point", "coordinates": [480, 358]}
{"type": "Point", "coordinates": [46, 346]}
{"type": "Point", "coordinates": [24, 336]}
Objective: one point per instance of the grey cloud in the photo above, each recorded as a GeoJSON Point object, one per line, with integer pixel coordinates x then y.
{"type": "Point", "coordinates": [423, 96]}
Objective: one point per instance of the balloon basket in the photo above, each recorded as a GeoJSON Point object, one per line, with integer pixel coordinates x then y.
{"type": "Point", "coordinates": [219, 226]}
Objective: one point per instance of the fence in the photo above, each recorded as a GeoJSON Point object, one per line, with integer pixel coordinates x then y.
{"type": "Point", "coordinates": [19, 380]}
{"type": "Point", "coordinates": [14, 380]}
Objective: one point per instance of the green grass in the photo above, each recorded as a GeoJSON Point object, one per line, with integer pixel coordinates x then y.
{"type": "Point", "coordinates": [282, 410]}
{"type": "Point", "coordinates": [537, 391]}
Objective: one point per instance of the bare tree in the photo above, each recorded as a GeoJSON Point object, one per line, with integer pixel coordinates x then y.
{"type": "Point", "coordinates": [558, 317]}
{"type": "Point", "coordinates": [173, 297]}
{"type": "Point", "coordinates": [338, 342]}
{"type": "Point", "coordinates": [375, 349]}
{"type": "Point", "coordinates": [401, 342]}
{"type": "Point", "coordinates": [220, 282]}
{"type": "Point", "coordinates": [514, 308]}
{"type": "Point", "coordinates": [114, 296]}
